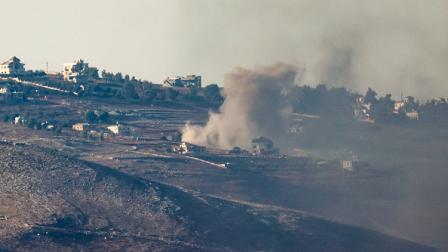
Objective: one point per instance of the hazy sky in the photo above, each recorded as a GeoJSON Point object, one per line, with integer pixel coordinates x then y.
{"type": "Point", "coordinates": [392, 45]}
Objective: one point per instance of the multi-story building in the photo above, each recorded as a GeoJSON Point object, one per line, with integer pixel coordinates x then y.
{"type": "Point", "coordinates": [12, 67]}
{"type": "Point", "coordinates": [78, 71]}
{"type": "Point", "coordinates": [189, 81]}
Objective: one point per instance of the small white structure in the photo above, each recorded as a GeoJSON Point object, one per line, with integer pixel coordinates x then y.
{"type": "Point", "coordinates": [398, 106]}
{"type": "Point", "coordinates": [413, 115]}
{"type": "Point", "coordinates": [189, 81]}
{"type": "Point", "coordinates": [4, 90]}
{"type": "Point", "coordinates": [18, 120]}
{"type": "Point", "coordinates": [185, 148]}
{"type": "Point", "coordinates": [12, 67]}
{"type": "Point", "coordinates": [81, 127]}
{"type": "Point", "coordinates": [347, 165]}
{"type": "Point", "coordinates": [119, 129]}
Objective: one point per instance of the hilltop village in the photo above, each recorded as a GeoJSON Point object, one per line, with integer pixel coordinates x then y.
{"type": "Point", "coordinates": [77, 81]}
{"type": "Point", "coordinates": [339, 147]}
{"type": "Point", "coordinates": [83, 103]}
{"type": "Point", "coordinates": [79, 84]}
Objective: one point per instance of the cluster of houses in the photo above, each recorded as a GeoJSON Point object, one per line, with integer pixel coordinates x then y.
{"type": "Point", "coordinates": [406, 106]}
{"type": "Point", "coordinates": [93, 131]}
{"type": "Point", "coordinates": [80, 71]}
{"type": "Point", "coordinates": [363, 110]}
{"type": "Point", "coordinates": [74, 72]}
{"type": "Point", "coordinates": [261, 146]}
{"type": "Point", "coordinates": [21, 120]}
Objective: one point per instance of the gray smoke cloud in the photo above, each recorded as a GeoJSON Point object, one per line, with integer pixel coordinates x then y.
{"type": "Point", "coordinates": [254, 105]}
{"type": "Point", "coordinates": [396, 46]}
{"type": "Point", "coordinates": [390, 45]}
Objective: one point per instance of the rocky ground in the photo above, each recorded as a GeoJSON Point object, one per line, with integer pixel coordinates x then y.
{"type": "Point", "coordinates": [51, 201]}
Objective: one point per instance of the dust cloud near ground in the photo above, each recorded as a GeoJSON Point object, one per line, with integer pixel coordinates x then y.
{"type": "Point", "coordinates": [254, 105]}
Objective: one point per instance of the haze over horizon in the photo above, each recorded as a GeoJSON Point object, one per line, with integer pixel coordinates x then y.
{"type": "Point", "coordinates": [397, 46]}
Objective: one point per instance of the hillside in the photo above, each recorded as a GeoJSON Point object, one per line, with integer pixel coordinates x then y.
{"type": "Point", "coordinates": [50, 201]}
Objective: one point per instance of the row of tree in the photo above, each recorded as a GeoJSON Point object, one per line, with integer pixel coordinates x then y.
{"type": "Point", "coordinates": [338, 102]}
{"type": "Point", "coordinates": [34, 122]}
{"type": "Point", "coordinates": [93, 117]}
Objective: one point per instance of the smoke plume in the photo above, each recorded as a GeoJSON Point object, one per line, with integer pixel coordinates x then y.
{"type": "Point", "coordinates": [254, 105]}
{"type": "Point", "coordinates": [397, 46]}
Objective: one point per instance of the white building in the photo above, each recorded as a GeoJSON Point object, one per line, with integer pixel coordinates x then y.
{"type": "Point", "coordinates": [12, 67]}
{"type": "Point", "coordinates": [4, 90]}
{"type": "Point", "coordinates": [362, 110]}
{"type": "Point", "coordinates": [408, 107]}
{"type": "Point", "coordinates": [19, 120]}
{"type": "Point", "coordinates": [81, 127]}
{"type": "Point", "coordinates": [347, 165]}
{"type": "Point", "coordinates": [399, 106]}
{"type": "Point", "coordinates": [189, 81]}
{"type": "Point", "coordinates": [78, 71]}
{"type": "Point", "coordinates": [119, 129]}
{"type": "Point", "coordinates": [185, 148]}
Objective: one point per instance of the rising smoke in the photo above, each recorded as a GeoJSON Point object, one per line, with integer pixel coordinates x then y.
{"type": "Point", "coordinates": [254, 105]}
{"type": "Point", "coordinates": [393, 46]}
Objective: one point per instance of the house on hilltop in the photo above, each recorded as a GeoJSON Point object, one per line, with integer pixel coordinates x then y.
{"type": "Point", "coordinates": [12, 67]}
{"type": "Point", "coordinates": [408, 106]}
{"type": "Point", "coordinates": [79, 71]}
{"type": "Point", "coordinates": [189, 81]}
{"type": "Point", "coordinates": [263, 146]}
{"type": "Point", "coordinates": [119, 129]}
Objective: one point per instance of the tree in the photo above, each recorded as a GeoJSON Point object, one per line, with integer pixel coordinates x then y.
{"type": "Point", "coordinates": [6, 118]}
{"type": "Point", "coordinates": [32, 123]}
{"type": "Point", "coordinates": [104, 117]}
{"type": "Point", "coordinates": [118, 77]}
{"type": "Point", "coordinates": [212, 94]}
{"type": "Point", "coordinates": [93, 73]}
{"type": "Point", "coordinates": [411, 104]}
{"type": "Point", "coordinates": [383, 109]}
{"type": "Point", "coordinates": [160, 96]}
{"type": "Point", "coordinates": [128, 91]}
{"type": "Point", "coordinates": [91, 117]}
{"type": "Point", "coordinates": [370, 96]}
{"type": "Point", "coordinates": [150, 95]}
{"type": "Point", "coordinates": [172, 94]}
